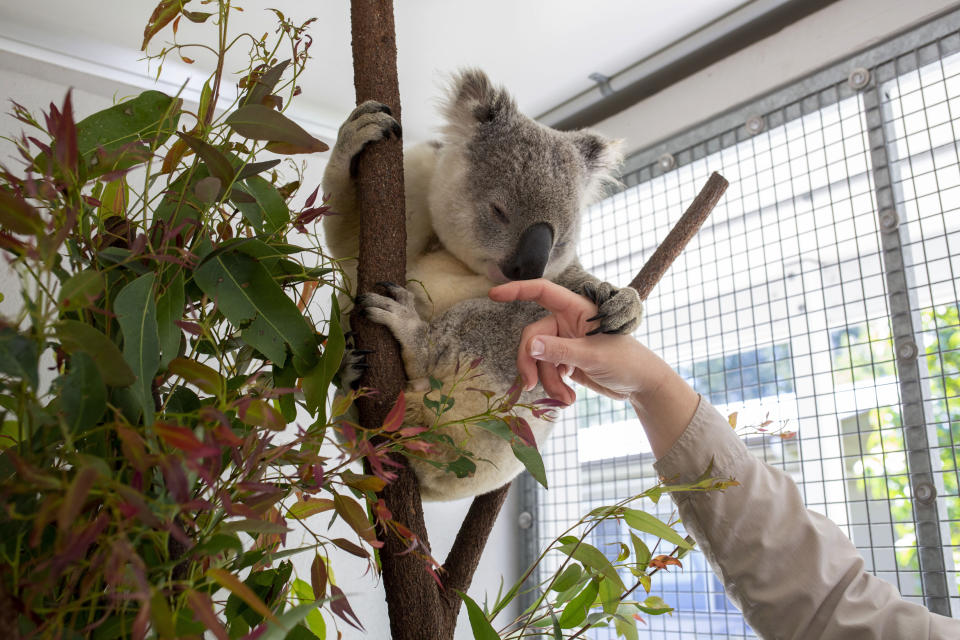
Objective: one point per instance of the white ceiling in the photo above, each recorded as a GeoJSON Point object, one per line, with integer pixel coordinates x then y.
{"type": "Point", "coordinates": [543, 50]}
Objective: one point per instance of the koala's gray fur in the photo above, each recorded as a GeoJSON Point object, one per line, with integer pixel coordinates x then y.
{"type": "Point", "coordinates": [498, 197]}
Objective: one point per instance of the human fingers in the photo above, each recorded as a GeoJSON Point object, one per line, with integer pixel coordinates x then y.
{"type": "Point", "coordinates": [526, 363]}
{"type": "Point", "coordinates": [553, 383]}
{"type": "Point", "coordinates": [549, 295]}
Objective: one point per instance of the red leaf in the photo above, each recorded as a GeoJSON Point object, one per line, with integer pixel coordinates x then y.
{"type": "Point", "coordinates": [522, 428]}
{"type": "Point", "coordinates": [75, 497]}
{"type": "Point", "coordinates": [318, 577]}
{"type": "Point", "coordinates": [395, 417]}
{"type": "Point", "coordinates": [199, 375]}
{"type": "Point", "coordinates": [354, 515]}
{"type": "Point", "coordinates": [202, 607]}
{"type": "Point", "coordinates": [340, 606]}
{"type": "Point", "coordinates": [184, 439]}
{"type": "Point", "coordinates": [662, 562]}
{"type": "Point", "coordinates": [350, 547]}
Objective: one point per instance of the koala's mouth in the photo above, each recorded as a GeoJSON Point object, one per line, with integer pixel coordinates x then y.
{"type": "Point", "coordinates": [494, 274]}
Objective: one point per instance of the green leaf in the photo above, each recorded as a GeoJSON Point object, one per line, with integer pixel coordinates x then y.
{"type": "Point", "coordinates": [317, 382]}
{"type": "Point", "coordinates": [265, 84]}
{"type": "Point", "coordinates": [609, 595]}
{"type": "Point", "coordinates": [199, 375]}
{"type": "Point", "coordinates": [245, 293]}
{"type": "Point", "coordinates": [76, 336]}
{"type": "Point", "coordinates": [577, 609]}
{"type": "Point", "coordinates": [286, 378]}
{"type": "Point", "coordinates": [641, 551]}
{"type": "Point", "coordinates": [137, 315]}
{"type": "Point", "coordinates": [229, 581]}
{"type": "Point", "coordinates": [258, 122]}
{"type": "Point", "coordinates": [286, 622]}
{"type": "Point", "coordinates": [268, 212]}
{"type": "Point", "coordinates": [624, 622]}
{"type": "Point", "coordinates": [482, 629]}
{"type": "Point", "coordinates": [18, 216]}
{"type": "Point", "coordinates": [526, 454]}
{"type": "Point", "coordinates": [591, 557]}
{"type": "Point", "coordinates": [568, 578]}
{"type": "Point", "coordinates": [115, 138]}
{"type": "Point", "coordinates": [531, 460]}
{"type": "Point", "coordinates": [18, 356]}
{"type": "Point", "coordinates": [170, 306]}
{"type": "Point", "coordinates": [642, 521]}
{"type": "Point", "coordinates": [251, 525]}
{"type": "Point", "coordinates": [80, 290]}
{"type": "Point", "coordinates": [654, 605]}
{"type": "Point", "coordinates": [83, 396]}
{"type": "Point", "coordinates": [217, 163]}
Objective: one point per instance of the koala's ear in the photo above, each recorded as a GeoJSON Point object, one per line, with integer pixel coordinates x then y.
{"type": "Point", "coordinates": [602, 158]}
{"type": "Point", "coordinates": [473, 100]}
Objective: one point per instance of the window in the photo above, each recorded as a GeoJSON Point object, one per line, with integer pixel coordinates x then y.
{"type": "Point", "coordinates": [822, 292]}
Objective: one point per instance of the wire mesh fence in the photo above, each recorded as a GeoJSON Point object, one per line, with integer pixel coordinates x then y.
{"type": "Point", "coordinates": [823, 279]}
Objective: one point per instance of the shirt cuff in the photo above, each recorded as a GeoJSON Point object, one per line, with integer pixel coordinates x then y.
{"type": "Point", "coordinates": [707, 437]}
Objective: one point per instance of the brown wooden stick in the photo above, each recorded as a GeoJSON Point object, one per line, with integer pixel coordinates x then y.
{"type": "Point", "coordinates": [682, 232]}
{"type": "Point", "coordinates": [413, 601]}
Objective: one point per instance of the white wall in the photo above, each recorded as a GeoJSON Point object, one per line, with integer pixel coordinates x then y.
{"type": "Point", "coordinates": [816, 41]}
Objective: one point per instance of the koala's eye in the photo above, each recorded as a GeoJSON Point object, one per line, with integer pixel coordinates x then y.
{"type": "Point", "coordinates": [499, 214]}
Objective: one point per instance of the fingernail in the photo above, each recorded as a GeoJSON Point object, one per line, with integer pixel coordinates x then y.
{"type": "Point", "coordinates": [536, 347]}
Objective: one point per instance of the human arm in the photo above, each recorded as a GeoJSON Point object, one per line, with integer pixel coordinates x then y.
{"type": "Point", "coordinates": [792, 572]}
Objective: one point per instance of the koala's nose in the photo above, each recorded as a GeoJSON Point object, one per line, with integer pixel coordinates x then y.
{"type": "Point", "coordinates": [530, 257]}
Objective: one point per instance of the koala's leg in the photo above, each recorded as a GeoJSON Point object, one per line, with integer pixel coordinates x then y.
{"type": "Point", "coordinates": [369, 122]}
{"type": "Point", "coordinates": [618, 309]}
{"type": "Point", "coordinates": [398, 312]}
{"type": "Point", "coordinates": [475, 328]}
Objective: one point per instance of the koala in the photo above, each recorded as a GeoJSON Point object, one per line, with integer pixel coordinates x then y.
{"type": "Point", "coordinates": [497, 197]}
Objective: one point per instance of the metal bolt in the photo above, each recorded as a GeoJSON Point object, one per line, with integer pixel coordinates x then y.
{"type": "Point", "coordinates": [925, 493]}
{"type": "Point", "coordinates": [525, 520]}
{"type": "Point", "coordinates": [858, 78]}
{"type": "Point", "coordinates": [666, 162]}
{"type": "Point", "coordinates": [907, 350]}
{"type": "Point", "coordinates": [754, 125]}
{"type": "Point", "coordinates": [889, 220]}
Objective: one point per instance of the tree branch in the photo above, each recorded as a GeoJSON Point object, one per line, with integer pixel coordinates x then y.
{"type": "Point", "coordinates": [464, 556]}
{"type": "Point", "coordinates": [682, 232]}
{"type": "Point", "coordinates": [413, 600]}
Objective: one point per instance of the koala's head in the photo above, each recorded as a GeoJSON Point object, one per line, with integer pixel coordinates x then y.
{"type": "Point", "coordinates": [507, 192]}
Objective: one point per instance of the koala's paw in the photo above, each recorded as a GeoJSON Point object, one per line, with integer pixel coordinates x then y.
{"type": "Point", "coordinates": [353, 365]}
{"type": "Point", "coordinates": [369, 122]}
{"type": "Point", "coordinates": [398, 312]}
{"type": "Point", "coordinates": [618, 310]}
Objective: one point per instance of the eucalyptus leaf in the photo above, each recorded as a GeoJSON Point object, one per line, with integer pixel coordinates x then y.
{"type": "Point", "coordinates": [121, 137]}
{"type": "Point", "coordinates": [18, 356]}
{"type": "Point", "coordinates": [76, 336]}
{"type": "Point", "coordinates": [80, 289]}
{"type": "Point", "coordinates": [83, 396]}
{"type": "Point", "coordinates": [137, 314]}
{"type": "Point", "coordinates": [317, 382]}
{"type": "Point", "coordinates": [642, 521]}
{"type": "Point", "coordinates": [170, 306]}
{"type": "Point", "coordinates": [481, 627]}
{"type": "Point", "coordinates": [248, 296]}
{"type": "Point", "coordinates": [258, 122]}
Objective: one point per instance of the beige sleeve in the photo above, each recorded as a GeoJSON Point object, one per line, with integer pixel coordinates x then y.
{"type": "Point", "coordinates": [792, 572]}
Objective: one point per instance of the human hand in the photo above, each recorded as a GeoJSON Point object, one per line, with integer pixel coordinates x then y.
{"type": "Point", "coordinates": [617, 366]}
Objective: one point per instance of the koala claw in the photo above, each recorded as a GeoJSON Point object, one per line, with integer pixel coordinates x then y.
{"type": "Point", "coordinates": [369, 122]}
{"type": "Point", "coordinates": [618, 310]}
{"type": "Point", "coordinates": [353, 366]}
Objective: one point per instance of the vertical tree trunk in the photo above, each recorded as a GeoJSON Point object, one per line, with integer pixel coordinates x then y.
{"type": "Point", "coordinates": [413, 600]}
